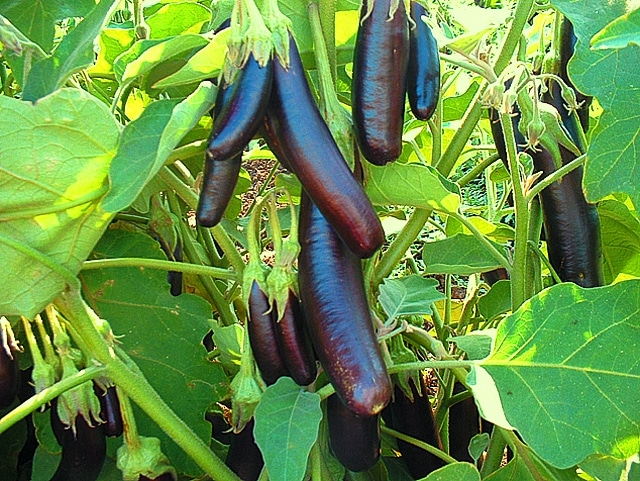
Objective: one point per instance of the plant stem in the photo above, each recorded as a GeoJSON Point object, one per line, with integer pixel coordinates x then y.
{"type": "Point", "coordinates": [495, 453]}
{"type": "Point", "coordinates": [327, 12]}
{"type": "Point", "coordinates": [478, 169]}
{"type": "Point", "coordinates": [199, 270]}
{"type": "Point", "coordinates": [555, 176]}
{"type": "Point", "coordinates": [77, 313]}
{"type": "Point", "coordinates": [420, 444]}
{"type": "Point", "coordinates": [49, 394]}
{"type": "Point", "coordinates": [485, 241]}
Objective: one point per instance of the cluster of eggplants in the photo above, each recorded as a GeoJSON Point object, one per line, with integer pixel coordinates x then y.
{"type": "Point", "coordinates": [9, 370]}
{"type": "Point", "coordinates": [84, 449]}
{"type": "Point", "coordinates": [414, 417]}
{"type": "Point", "coordinates": [280, 347]}
{"type": "Point", "coordinates": [571, 224]}
{"type": "Point", "coordinates": [393, 58]}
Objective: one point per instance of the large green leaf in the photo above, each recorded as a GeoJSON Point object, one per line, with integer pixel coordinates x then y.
{"type": "Point", "coordinates": [162, 333]}
{"type": "Point", "coordinates": [408, 295]}
{"type": "Point", "coordinates": [620, 241]}
{"type": "Point", "coordinates": [619, 33]}
{"type": "Point", "coordinates": [54, 160]}
{"type": "Point", "coordinates": [287, 421]}
{"type": "Point", "coordinates": [566, 372]}
{"type": "Point", "coordinates": [177, 19]}
{"type": "Point", "coordinates": [459, 254]}
{"type": "Point", "coordinates": [147, 142]}
{"type": "Point", "coordinates": [411, 184]}
{"type": "Point", "coordinates": [611, 76]}
{"type": "Point", "coordinates": [37, 18]}
{"type": "Point", "coordinates": [74, 53]}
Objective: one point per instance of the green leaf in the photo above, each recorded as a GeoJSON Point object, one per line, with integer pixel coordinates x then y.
{"type": "Point", "coordinates": [146, 55]}
{"type": "Point", "coordinates": [619, 33]}
{"type": "Point", "coordinates": [411, 184]}
{"type": "Point", "coordinates": [611, 76]}
{"type": "Point", "coordinates": [584, 340]}
{"type": "Point", "coordinates": [148, 141]}
{"type": "Point", "coordinates": [287, 421]}
{"type": "Point", "coordinates": [620, 230]}
{"type": "Point", "coordinates": [177, 19]}
{"type": "Point", "coordinates": [477, 344]}
{"type": "Point", "coordinates": [408, 295]}
{"type": "Point", "coordinates": [460, 254]}
{"type": "Point", "coordinates": [457, 471]}
{"type": "Point", "coordinates": [455, 106]}
{"type": "Point", "coordinates": [54, 160]}
{"type": "Point", "coordinates": [204, 64]}
{"type": "Point", "coordinates": [163, 334]}
{"type": "Point", "coordinates": [497, 301]}
{"type": "Point", "coordinates": [111, 43]}
{"type": "Point", "coordinates": [37, 18]}
{"type": "Point", "coordinates": [74, 53]}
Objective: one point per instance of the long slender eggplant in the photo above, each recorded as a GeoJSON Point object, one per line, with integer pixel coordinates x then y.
{"type": "Point", "coordinates": [354, 439]}
{"type": "Point", "coordinates": [83, 452]}
{"type": "Point", "coordinates": [263, 336]}
{"type": "Point", "coordinates": [415, 418]}
{"type": "Point", "coordinates": [312, 154]}
{"type": "Point", "coordinates": [423, 74]}
{"type": "Point", "coordinates": [294, 343]}
{"type": "Point", "coordinates": [9, 369]}
{"type": "Point", "coordinates": [380, 61]}
{"type": "Point", "coordinates": [244, 457]}
{"type": "Point", "coordinates": [338, 317]}
{"type": "Point", "coordinates": [239, 110]}
{"type": "Point", "coordinates": [464, 423]}
{"type": "Point", "coordinates": [110, 411]}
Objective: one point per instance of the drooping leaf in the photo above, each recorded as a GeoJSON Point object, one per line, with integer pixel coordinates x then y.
{"type": "Point", "coordinates": [609, 75]}
{"type": "Point", "coordinates": [287, 421]}
{"type": "Point", "coordinates": [411, 184]}
{"type": "Point", "coordinates": [74, 53]}
{"type": "Point", "coordinates": [619, 33]}
{"type": "Point", "coordinates": [460, 254]}
{"type": "Point", "coordinates": [147, 142]}
{"type": "Point", "coordinates": [584, 340]}
{"type": "Point", "coordinates": [408, 295]}
{"type": "Point", "coordinates": [163, 334]}
{"type": "Point", "coordinates": [54, 160]}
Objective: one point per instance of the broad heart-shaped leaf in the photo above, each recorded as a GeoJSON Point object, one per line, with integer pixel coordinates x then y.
{"type": "Point", "coordinates": [567, 371]}
{"type": "Point", "coordinates": [408, 295]}
{"type": "Point", "coordinates": [74, 53]}
{"type": "Point", "coordinates": [455, 471]}
{"type": "Point", "coordinates": [287, 421]}
{"type": "Point", "coordinates": [611, 76]}
{"type": "Point", "coordinates": [147, 142]}
{"type": "Point", "coordinates": [412, 184]}
{"type": "Point", "coordinates": [460, 254]}
{"type": "Point", "coordinates": [162, 334]}
{"type": "Point", "coordinates": [620, 230]}
{"type": "Point", "coordinates": [37, 18]}
{"type": "Point", "coordinates": [54, 160]}
{"type": "Point", "coordinates": [619, 33]}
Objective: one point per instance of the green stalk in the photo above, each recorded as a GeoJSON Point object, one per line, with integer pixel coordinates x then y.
{"type": "Point", "coordinates": [49, 394]}
{"type": "Point", "coordinates": [198, 270]}
{"type": "Point", "coordinates": [504, 262]}
{"type": "Point", "coordinates": [420, 444]}
{"type": "Point", "coordinates": [556, 175]}
{"type": "Point", "coordinates": [477, 169]}
{"type": "Point", "coordinates": [495, 453]}
{"type": "Point", "coordinates": [219, 234]}
{"type": "Point", "coordinates": [327, 11]}
{"type": "Point", "coordinates": [77, 313]}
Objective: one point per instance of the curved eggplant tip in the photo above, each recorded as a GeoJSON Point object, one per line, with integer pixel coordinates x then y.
{"type": "Point", "coordinates": [207, 215]}
{"type": "Point", "coordinates": [370, 401]}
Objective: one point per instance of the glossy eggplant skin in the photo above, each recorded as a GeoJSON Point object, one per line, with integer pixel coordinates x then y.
{"type": "Point", "coordinates": [83, 454]}
{"type": "Point", "coordinates": [380, 61]}
{"type": "Point", "coordinates": [571, 224]}
{"type": "Point", "coordinates": [263, 336]}
{"type": "Point", "coordinates": [110, 411]}
{"type": "Point", "coordinates": [294, 343]}
{"type": "Point", "coordinates": [415, 418]}
{"type": "Point", "coordinates": [244, 457]}
{"type": "Point", "coordinates": [219, 181]}
{"type": "Point", "coordinates": [9, 372]}
{"type": "Point", "coordinates": [309, 150]}
{"type": "Point", "coordinates": [423, 74]}
{"type": "Point", "coordinates": [354, 440]}
{"type": "Point", "coordinates": [464, 423]}
{"type": "Point", "coordinates": [338, 317]}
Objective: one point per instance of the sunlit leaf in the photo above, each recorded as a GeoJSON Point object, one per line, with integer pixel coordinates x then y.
{"type": "Point", "coordinates": [408, 295]}
{"type": "Point", "coordinates": [460, 254]}
{"type": "Point", "coordinates": [619, 33]}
